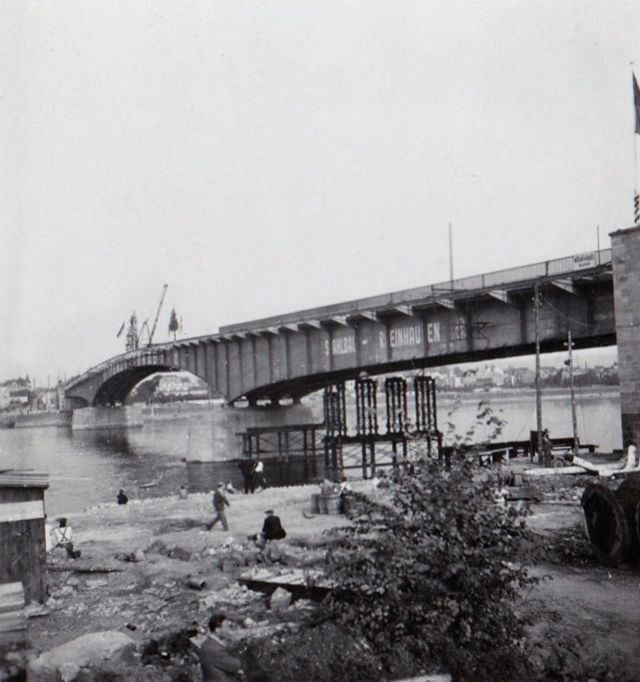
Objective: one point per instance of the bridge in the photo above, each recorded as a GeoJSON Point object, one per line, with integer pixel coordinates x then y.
{"type": "Point", "coordinates": [480, 317]}
{"type": "Point", "coordinates": [594, 295]}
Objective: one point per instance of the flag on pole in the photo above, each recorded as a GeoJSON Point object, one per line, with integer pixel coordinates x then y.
{"type": "Point", "coordinates": [636, 102]}
{"type": "Point", "coordinates": [173, 323]}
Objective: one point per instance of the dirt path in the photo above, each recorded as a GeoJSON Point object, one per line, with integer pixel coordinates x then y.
{"type": "Point", "coordinates": [590, 614]}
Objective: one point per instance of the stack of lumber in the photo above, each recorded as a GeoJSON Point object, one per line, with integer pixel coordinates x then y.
{"type": "Point", "coordinates": [13, 627]}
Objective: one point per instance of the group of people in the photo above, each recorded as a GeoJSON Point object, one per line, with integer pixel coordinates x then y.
{"type": "Point", "coordinates": [271, 529]}
{"type": "Point", "coordinates": [253, 476]}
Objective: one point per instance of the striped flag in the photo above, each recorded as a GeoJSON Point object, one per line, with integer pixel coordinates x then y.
{"type": "Point", "coordinates": [636, 209]}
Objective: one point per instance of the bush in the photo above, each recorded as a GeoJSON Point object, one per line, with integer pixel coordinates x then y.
{"type": "Point", "coordinates": [430, 572]}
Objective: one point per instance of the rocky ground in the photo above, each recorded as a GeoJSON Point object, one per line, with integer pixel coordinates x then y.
{"type": "Point", "coordinates": [150, 569]}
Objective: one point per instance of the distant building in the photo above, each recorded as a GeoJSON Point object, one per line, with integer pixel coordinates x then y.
{"type": "Point", "coordinates": [523, 376]}
{"type": "Point", "coordinates": [15, 392]}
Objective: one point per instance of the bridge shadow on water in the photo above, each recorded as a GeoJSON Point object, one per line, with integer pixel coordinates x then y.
{"type": "Point", "coordinates": [294, 470]}
{"type": "Point", "coordinates": [154, 461]}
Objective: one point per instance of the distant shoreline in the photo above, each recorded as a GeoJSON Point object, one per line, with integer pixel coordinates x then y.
{"type": "Point", "coordinates": [552, 392]}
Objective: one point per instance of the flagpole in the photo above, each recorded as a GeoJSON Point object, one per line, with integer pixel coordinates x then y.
{"type": "Point", "coordinates": [636, 131]}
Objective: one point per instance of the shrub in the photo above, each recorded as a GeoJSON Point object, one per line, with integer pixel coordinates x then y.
{"type": "Point", "coordinates": [430, 571]}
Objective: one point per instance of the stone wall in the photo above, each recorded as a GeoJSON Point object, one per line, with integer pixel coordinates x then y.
{"type": "Point", "coordinates": [625, 245]}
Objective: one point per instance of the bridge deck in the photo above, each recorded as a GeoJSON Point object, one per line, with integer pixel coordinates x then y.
{"type": "Point", "coordinates": [521, 275]}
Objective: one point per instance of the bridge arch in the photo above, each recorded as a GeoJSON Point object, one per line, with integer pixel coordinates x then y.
{"type": "Point", "coordinates": [116, 388]}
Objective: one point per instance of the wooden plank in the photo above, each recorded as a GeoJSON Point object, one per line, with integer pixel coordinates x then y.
{"type": "Point", "coordinates": [548, 471]}
{"type": "Point", "coordinates": [21, 511]}
{"type": "Point", "coordinates": [23, 479]}
{"type": "Point", "coordinates": [13, 623]}
{"type": "Point", "coordinates": [10, 589]}
{"type": "Point", "coordinates": [12, 603]}
{"type": "Point", "coordinates": [10, 622]}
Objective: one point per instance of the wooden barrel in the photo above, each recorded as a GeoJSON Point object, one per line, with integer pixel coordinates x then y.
{"type": "Point", "coordinates": [333, 504]}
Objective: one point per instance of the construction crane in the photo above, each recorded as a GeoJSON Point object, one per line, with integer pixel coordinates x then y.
{"type": "Point", "coordinates": [144, 327]}
{"type": "Point", "coordinates": [155, 321]}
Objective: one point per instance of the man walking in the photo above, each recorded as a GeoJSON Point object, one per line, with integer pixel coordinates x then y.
{"type": "Point", "coordinates": [220, 501]}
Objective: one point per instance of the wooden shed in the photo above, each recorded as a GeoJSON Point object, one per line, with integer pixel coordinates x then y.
{"type": "Point", "coordinates": [23, 554]}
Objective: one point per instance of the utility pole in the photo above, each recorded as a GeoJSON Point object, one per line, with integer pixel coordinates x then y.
{"type": "Point", "coordinates": [536, 310]}
{"type": "Point", "coordinates": [574, 420]}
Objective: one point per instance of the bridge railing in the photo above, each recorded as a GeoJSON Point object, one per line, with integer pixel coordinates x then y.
{"type": "Point", "coordinates": [551, 268]}
{"type": "Point", "coordinates": [105, 364]}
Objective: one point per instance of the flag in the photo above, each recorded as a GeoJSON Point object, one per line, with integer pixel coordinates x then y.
{"type": "Point", "coordinates": [120, 332]}
{"type": "Point", "coordinates": [636, 209]}
{"type": "Point", "coordinates": [173, 321]}
{"type": "Point", "coordinates": [636, 103]}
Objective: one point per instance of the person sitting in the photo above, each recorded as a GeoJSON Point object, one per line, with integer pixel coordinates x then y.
{"type": "Point", "coordinates": [272, 527]}
{"type": "Point", "coordinates": [183, 493]}
{"type": "Point", "coordinates": [62, 537]}
{"type": "Point", "coordinates": [122, 498]}
{"type": "Point", "coordinates": [217, 664]}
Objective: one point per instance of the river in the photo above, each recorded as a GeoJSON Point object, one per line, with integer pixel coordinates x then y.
{"type": "Point", "coordinates": [88, 467]}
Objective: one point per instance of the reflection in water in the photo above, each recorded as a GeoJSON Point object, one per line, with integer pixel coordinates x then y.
{"type": "Point", "coordinates": [88, 467]}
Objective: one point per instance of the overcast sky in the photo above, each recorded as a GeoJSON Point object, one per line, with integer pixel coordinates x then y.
{"type": "Point", "coordinates": [263, 157]}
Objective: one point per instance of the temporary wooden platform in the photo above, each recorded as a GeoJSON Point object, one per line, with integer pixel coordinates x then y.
{"type": "Point", "coordinates": [309, 585]}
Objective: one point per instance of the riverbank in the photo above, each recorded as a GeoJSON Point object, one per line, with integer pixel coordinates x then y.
{"type": "Point", "coordinates": [169, 542]}
{"type": "Point", "coordinates": [140, 563]}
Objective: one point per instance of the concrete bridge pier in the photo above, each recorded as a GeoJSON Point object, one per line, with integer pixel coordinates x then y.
{"type": "Point", "coordinates": [228, 422]}
{"type": "Point", "coordinates": [103, 417]}
{"type": "Point", "coordinates": [625, 248]}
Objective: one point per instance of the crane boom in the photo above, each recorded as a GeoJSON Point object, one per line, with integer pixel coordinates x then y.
{"type": "Point", "coordinates": [155, 322]}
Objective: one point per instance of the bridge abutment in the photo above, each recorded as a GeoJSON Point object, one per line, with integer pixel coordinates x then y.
{"type": "Point", "coordinates": [625, 247]}
{"type": "Point", "coordinates": [128, 416]}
